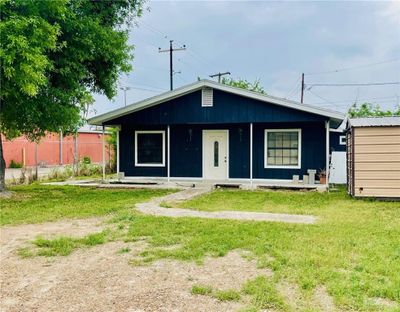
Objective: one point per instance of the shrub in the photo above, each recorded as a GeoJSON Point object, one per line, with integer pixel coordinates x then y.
{"type": "Point", "coordinates": [14, 164]}
{"type": "Point", "coordinates": [86, 160]}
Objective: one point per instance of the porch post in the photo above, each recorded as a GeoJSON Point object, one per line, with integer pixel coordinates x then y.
{"type": "Point", "coordinates": [104, 154]}
{"type": "Point", "coordinates": [168, 153]}
{"type": "Point", "coordinates": [117, 156]}
{"type": "Point", "coordinates": [251, 154]}
{"type": "Point", "coordinates": [327, 152]}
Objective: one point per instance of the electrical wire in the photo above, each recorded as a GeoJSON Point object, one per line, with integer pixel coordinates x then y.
{"type": "Point", "coordinates": [354, 67]}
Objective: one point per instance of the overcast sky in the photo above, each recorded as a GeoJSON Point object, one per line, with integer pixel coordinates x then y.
{"type": "Point", "coordinates": [271, 41]}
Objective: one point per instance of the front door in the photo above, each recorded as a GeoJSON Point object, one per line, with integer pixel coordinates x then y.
{"type": "Point", "coordinates": [215, 154]}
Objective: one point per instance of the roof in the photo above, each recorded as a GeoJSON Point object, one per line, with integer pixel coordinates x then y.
{"type": "Point", "coordinates": [375, 121]}
{"type": "Point", "coordinates": [198, 85]}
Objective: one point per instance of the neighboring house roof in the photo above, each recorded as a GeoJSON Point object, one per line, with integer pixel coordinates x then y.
{"type": "Point", "coordinates": [166, 96]}
{"type": "Point", "coordinates": [375, 121]}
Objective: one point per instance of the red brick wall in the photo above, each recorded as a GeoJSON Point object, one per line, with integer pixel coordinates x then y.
{"type": "Point", "coordinates": [89, 144]}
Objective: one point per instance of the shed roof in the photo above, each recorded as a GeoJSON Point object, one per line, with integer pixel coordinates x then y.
{"type": "Point", "coordinates": [375, 121]}
{"type": "Point", "coordinates": [335, 116]}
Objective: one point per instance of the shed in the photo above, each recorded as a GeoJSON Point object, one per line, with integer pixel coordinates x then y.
{"type": "Point", "coordinates": [373, 157]}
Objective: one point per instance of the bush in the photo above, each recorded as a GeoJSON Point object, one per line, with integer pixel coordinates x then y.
{"type": "Point", "coordinates": [86, 160]}
{"type": "Point", "coordinates": [14, 164]}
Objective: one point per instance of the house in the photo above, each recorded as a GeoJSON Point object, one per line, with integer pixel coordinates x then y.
{"type": "Point", "coordinates": [212, 131]}
{"type": "Point", "coordinates": [373, 157]}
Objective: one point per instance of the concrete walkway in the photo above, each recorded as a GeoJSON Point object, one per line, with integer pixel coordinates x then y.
{"type": "Point", "coordinates": [153, 208]}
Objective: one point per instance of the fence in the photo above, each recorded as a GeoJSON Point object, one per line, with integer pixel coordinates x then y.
{"type": "Point", "coordinates": [53, 149]}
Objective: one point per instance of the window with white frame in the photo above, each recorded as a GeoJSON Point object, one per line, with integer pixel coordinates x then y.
{"type": "Point", "coordinates": [150, 148]}
{"type": "Point", "coordinates": [342, 140]}
{"type": "Point", "coordinates": [282, 148]}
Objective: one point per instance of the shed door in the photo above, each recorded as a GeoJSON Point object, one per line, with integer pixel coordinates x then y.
{"type": "Point", "coordinates": [215, 154]}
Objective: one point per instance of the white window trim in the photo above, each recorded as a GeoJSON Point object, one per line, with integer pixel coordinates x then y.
{"type": "Point", "coordinates": [137, 164]}
{"type": "Point", "coordinates": [342, 140]}
{"type": "Point", "coordinates": [266, 131]}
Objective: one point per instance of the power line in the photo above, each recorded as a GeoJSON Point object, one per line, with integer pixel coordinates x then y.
{"type": "Point", "coordinates": [351, 84]}
{"type": "Point", "coordinates": [171, 50]}
{"type": "Point", "coordinates": [293, 89]}
{"type": "Point", "coordinates": [219, 75]}
{"type": "Point", "coordinates": [354, 67]}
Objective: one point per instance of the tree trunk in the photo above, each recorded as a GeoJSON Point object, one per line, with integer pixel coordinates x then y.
{"type": "Point", "coordinates": [2, 167]}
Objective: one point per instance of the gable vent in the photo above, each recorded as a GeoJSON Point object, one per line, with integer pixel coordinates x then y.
{"type": "Point", "coordinates": [207, 97]}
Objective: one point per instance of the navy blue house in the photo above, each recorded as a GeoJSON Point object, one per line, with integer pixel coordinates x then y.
{"type": "Point", "coordinates": [211, 131]}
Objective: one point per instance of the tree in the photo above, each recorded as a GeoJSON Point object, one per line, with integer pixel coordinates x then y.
{"type": "Point", "coordinates": [244, 84]}
{"type": "Point", "coordinates": [371, 110]}
{"type": "Point", "coordinates": [54, 55]}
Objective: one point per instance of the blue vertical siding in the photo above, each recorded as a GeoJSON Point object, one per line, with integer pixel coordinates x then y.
{"type": "Point", "coordinates": [334, 141]}
{"type": "Point", "coordinates": [187, 118]}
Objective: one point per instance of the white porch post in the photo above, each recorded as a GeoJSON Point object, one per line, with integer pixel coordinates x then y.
{"type": "Point", "coordinates": [117, 156]}
{"type": "Point", "coordinates": [168, 154]}
{"type": "Point", "coordinates": [251, 154]}
{"type": "Point", "coordinates": [104, 154]}
{"type": "Point", "coordinates": [327, 152]}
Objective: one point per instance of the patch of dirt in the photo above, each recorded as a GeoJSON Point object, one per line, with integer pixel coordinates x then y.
{"type": "Point", "coordinates": [13, 237]}
{"type": "Point", "coordinates": [323, 300]}
{"type": "Point", "coordinates": [292, 294]}
{"type": "Point", "coordinates": [384, 302]}
{"type": "Point", "coordinates": [101, 279]}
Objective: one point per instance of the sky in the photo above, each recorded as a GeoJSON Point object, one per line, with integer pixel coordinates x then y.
{"type": "Point", "coordinates": [275, 42]}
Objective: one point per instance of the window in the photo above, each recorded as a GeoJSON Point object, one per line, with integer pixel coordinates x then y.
{"type": "Point", "coordinates": [207, 97]}
{"type": "Point", "coordinates": [282, 148]}
{"type": "Point", "coordinates": [342, 140]}
{"type": "Point", "coordinates": [216, 154]}
{"type": "Point", "coordinates": [150, 148]}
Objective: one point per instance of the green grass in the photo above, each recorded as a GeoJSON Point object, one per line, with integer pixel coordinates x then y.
{"type": "Point", "coordinates": [227, 295]}
{"type": "Point", "coordinates": [39, 203]}
{"type": "Point", "coordinates": [353, 250]}
{"type": "Point", "coordinates": [201, 290]}
{"type": "Point", "coordinates": [264, 294]}
{"type": "Point", "coordinates": [221, 295]}
{"type": "Point", "coordinates": [63, 246]}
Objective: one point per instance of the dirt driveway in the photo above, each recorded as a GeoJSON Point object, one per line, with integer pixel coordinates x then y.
{"type": "Point", "coordinates": [101, 278]}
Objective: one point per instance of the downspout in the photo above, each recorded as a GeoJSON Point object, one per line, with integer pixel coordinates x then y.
{"type": "Point", "coordinates": [168, 154]}
{"type": "Point", "coordinates": [117, 156]}
{"type": "Point", "coordinates": [327, 125]}
{"type": "Point", "coordinates": [251, 155]}
{"type": "Point", "coordinates": [104, 154]}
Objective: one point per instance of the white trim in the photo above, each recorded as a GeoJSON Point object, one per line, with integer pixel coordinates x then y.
{"type": "Point", "coordinates": [168, 153]}
{"type": "Point", "coordinates": [251, 153]}
{"type": "Point", "coordinates": [266, 166]}
{"type": "Point", "coordinates": [341, 137]}
{"type": "Point", "coordinates": [166, 96]}
{"type": "Point", "coordinates": [162, 132]}
{"type": "Point", "coordinates": [227, 150]}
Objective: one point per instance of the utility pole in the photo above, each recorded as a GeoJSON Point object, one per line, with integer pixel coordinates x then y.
{"type": "Point", "coordinates": [171, 68]}
{"type": "Point", "coordinates": [125, 89]}
{"type": "Point", "coordinates": [302, 87]}
{"type": "Point", "coordinates": [219, 75]}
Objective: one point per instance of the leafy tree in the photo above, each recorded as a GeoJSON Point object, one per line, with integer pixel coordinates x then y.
{"type": "Point", "coordinates": [370, 110]}
{"type": "Point", "coordinates": [244, 84]}
{"type": "Point", "coordinates": [54, 55]}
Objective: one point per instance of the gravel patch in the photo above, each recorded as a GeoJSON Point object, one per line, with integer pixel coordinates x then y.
{"type": "Point", "coordinates": [100, 279]}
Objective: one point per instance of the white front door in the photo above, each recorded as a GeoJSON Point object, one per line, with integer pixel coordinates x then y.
{"type": "Point", "coordinates": [215, 154]}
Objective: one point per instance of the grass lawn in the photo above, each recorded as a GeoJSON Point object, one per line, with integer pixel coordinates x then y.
{"type": "Point", "coordinates": [39, 203]}
{"type": "Point", "coordinates": [353, 250]}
